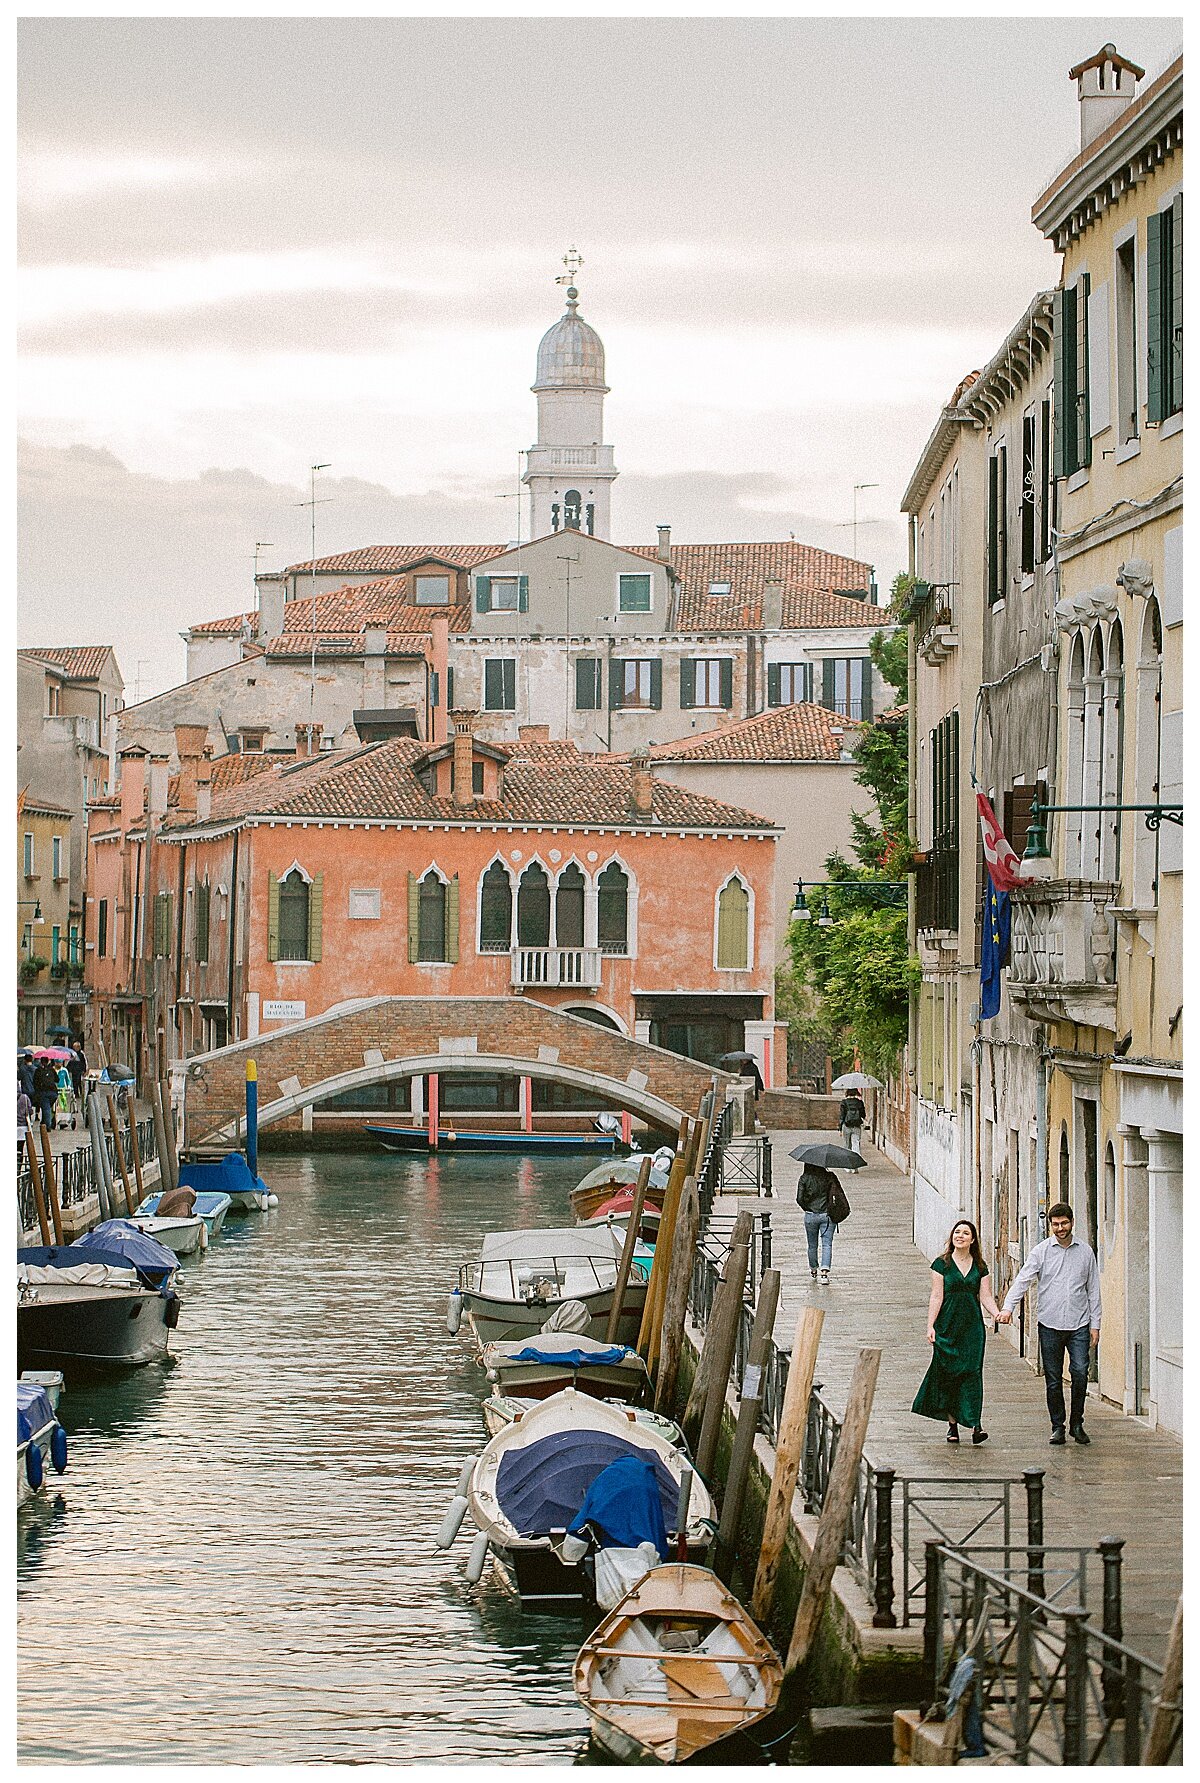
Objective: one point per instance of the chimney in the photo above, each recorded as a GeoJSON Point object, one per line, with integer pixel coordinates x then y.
{"type": "Point", "coordinates": [157, 806]}
{"type": "Point", "coordinates": [308, 740]}
{"type": "Point", "coordinates": [204, 771]}
{"type": "Point", "coordinates": [269, 590]}
{"type": "Point", "coordinates": [133, 786]}
{"type": "Point", "coordinates": [534, 733]}
{"type": "Point", "coordinates": [664, 544]}
{"type": "Point", "coordinates": [464, 756]}
{"type": "Point", "coordinates": [190, 740]}
{"type": "Point", "coordinates": [375, 640]}
{"type": "Point", "coordinates": [1107, 84]}
{"type": "Point", "coordinates": [772, 604]}
{"type": "Point", "coordinates": [439, 662]}
{"type": "Point", "coordinates": [641, 786]}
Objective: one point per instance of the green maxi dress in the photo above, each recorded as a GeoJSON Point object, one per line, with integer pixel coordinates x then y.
{"type": "Point", "coordinates": [952, 1390]}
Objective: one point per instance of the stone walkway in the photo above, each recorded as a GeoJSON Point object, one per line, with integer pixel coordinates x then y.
{"type": "Point", "coordinates": [1128, 1483]}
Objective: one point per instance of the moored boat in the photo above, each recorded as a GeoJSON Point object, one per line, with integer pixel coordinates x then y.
{"type": "Point", "coordinates": [455, 1139]}
{"type": "Point", "coordinates": [230, 1175]}
{"type": "Point", "coordinates": [677, 1671]}
{"type": "Point", "coordinates": [211, 1205]}
{"type": "Point", "coordinates": [107, 1300]}
{"type": "Point", "coordinates": [521, 1279]}
{"type": "Point", "coordinates": [40, 1436]}
{"type": "Point", "coordinates": [181, 1233]}
{"type": "Point", "coordinates": [502, 1409]}
{"type": "Point", "coordinates": [537, 1366]}
{"type": "Point", "coordinates": [607, 1180]}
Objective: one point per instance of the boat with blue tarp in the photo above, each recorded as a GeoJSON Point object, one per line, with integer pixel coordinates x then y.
{"type": "Point", "coordinates": [40, 1436]}
{"type": "Point", "coordinates": [230, 1175]}
{"type": "Point", "coordinates": [109, 1299]}
{"type": "Point", "coordinates": [535, 1367]}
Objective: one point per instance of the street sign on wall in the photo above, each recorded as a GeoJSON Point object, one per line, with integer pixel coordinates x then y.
{"type": "Point", "coordinates": [275, 1010]}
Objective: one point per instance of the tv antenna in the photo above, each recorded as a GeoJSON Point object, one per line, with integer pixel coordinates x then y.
{"type": "Point", "coordinates": [854, 522]}
{"type": "Point", "coordinates": [312, 504]}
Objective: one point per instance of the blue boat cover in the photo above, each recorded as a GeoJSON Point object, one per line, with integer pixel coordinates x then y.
{"type": "Point", "coordinates": [152, 1260]}
{"type": "Point", "coordinates": [617, 1352]}
{"type": "Point", "coordinates": [625, 1507]}
{"type": "Point", "coordinates": [541, 1487]}
{"type": "Point", "coordinates": [208, 1201]}
{"type": "Point", "coordinates": [229, 1175]}
{"type": "Point", "coordinates": [34, 1410]}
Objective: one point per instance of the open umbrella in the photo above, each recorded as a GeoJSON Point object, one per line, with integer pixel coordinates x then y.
{"type": "Point", "coordinates": [50, 1032]}
{"type": "Point", "coordinates": [856, 1080]}
{"type": "Point", "coordinates": [743, 1064]}
{"type": "Point", "coordinates": [52, 1052]}
{"type": "Point", "coordinates": [830, 1157]}
{"type": "Point", "coordinates": [118, 1074]}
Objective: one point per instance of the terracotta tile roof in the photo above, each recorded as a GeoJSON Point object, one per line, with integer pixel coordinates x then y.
{"type": "Point", "coordinates": [342, 615]}
{"type": "Point", "coordinates": [811, 580]}
{"type": "Point", "coordinates": [559, 787]}
{"type": "Point", "coordinates": [78, 662]}
{"type": "Point", "coordinates": [231, 626]}
{"type": "Point", "coordinates": [801, 732]}
{"type": "Point", "coordinates": [893, 715]}
{"type": "Point", "coordinates": [35, 807]}
{"type": "Point", "coordinates": [391, 559]}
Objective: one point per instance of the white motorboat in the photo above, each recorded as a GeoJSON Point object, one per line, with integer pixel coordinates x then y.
{"type": "Point", "coordinates": [181, 1233]}
{"type": "Point", "coordinates": [534, 1367]}
{"type": "Point", "coordinates": [210, 1204]}
{"type": "Point", "coordinates": [501, 1409]}
{"type": "Point", "coordinates": [530, 1483]}
{"type": "Point", "coordinates": [521, 1279]}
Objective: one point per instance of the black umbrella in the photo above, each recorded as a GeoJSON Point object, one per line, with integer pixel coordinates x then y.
{"type": "Point", "coordinates": [830, 1157]}
{"type": "Point", "coordinates": [120, 1074]}
{"type": "Point", "coordinates": [744, 1064]}
{"type": "Point", "coordinates": [67, 1031]}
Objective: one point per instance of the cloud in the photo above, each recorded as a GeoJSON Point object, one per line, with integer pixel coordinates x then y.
{"type": "Point", "coordinates": [47, 178]}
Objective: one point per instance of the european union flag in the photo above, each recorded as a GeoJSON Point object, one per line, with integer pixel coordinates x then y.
{"type": "Point", "coordinates": [993, 948]}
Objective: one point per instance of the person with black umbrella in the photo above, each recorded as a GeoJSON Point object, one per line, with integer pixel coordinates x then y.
{"type": "Point", "coordinates": [824, 1202]}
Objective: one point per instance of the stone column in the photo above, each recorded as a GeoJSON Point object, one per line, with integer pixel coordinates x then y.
{"type": "Point", "coordinates": [1134, 1216]}
{"type": "Point", "coordinates": [1165, 1173]}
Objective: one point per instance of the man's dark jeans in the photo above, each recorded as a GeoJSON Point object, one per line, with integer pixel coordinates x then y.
{"type": "Point", "coordinates": [47, 1106]}
{"type": "Point", "coordinates": [1054, 1345]}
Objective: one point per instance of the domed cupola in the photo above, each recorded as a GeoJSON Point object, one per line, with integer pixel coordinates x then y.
{"type": "Point", "coordinates": [570, 471]}
{"type": "Point", "coordinates": [571, 354]}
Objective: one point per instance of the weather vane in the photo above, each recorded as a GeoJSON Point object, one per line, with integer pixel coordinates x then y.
{"type": "Point", "coordinates": [572, 260]}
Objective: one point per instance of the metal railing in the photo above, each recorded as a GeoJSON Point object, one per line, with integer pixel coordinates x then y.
{"type": "Point", "coordinates": [937, 890]}
{"type": "Point", "coordinates": [1051, 1686]}
{"type": "Point", "coordinates": [76, 1175]}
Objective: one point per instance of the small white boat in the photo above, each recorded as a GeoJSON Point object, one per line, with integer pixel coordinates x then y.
{"type": "Point", "coordinates": [534, 1367]}
{"type": "Point", "coordinates": [531, 1480]}
{"type": "Point", "coordinates": [181, 1233]}
{"type": "Point", "coordinates": [40, 1436]}
{"type": "Point", "coordinates": [502, 1409]}
{"type": "Point", "coordinates": [211, 1205]}
{"type": "Point", "coordinates": [521, 1279]}
{"type": "Point", "coordinates": [677, 1670]}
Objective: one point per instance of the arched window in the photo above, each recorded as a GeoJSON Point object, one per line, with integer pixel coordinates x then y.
{"type": "Point", "coordinates": [612, 910]}
{"type": "Point", "coordinates": [1064, 1167]}
{"type": "Point", "coordinates": [1073, 821]}
{"type": "Point", "coordinates": [533, 907]}
{"type": "Point", "coordinates": [568, 907]}
{"type": "Point", "coordinates": [1112, 767]}
{"type": "Point", "coordinates": [733, 927]}
{"type": "Point", "coordinates": [1148, 747]}
{"type": "Point", "coordinates": [293, 916]}
{"type": "Point", "coordinates": [1110, 1190]}
{"type": "Point", "coordinates": [495, 911]}
{"type": "Point", "coordinates": [1093, 757]}
{"type": "Point", "coordinates": [431, 918]}
{"type": "Point", "coordinates": [572, 509]}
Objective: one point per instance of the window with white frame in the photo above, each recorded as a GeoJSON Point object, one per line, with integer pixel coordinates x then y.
{"type": "Point", "coordinates": [56, 843]}
{"type": "Point", "coordinates": [27, 854]}
{"type": "Point", "coordinates": [733, 926]}
{"type": "Point", "coordinates": [634, 593]}
{"type": "Point", "coordinates": [431, 591]}
{"type": "Point", "coordinates": [788, 683]}
{"type": "Point", "coordinates": [1125, 281]}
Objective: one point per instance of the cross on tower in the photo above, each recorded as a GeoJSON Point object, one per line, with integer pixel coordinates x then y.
{"type": "Point", "coordinates": [572, 260]}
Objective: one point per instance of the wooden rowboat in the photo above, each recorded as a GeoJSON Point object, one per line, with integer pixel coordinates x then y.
{"type": "Point", "coordinates": [676, 1671]}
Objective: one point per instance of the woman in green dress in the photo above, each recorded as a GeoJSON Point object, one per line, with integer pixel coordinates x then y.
{"type": "Point", "coordinates": [962, 1293]}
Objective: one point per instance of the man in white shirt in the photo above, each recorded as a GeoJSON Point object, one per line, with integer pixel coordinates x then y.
{"type": "Point", "coordinates": [1068, 1282]}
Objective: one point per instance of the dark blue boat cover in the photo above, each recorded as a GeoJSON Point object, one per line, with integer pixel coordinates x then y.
{"type": "Point", "coordinates": [541, 1487]}
{"type": "Point", "coordinates": [617, 1352]}
{"type": "Point", "coordinates": [625, 1506]}
{"type": "Point", "coordinates": [152, 1259]}
{"type": "Point", "coordinates": [34, 1410]}
{"type": "Point", "coordinates": [229, 1175]}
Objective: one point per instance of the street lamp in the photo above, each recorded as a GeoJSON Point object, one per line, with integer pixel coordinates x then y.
{"type": "Point", "coordinates": [37, 909]}
{"type": "Point", "coordinates": [881, 891]}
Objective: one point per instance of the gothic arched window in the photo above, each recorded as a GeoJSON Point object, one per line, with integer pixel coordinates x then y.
{"type": "Point", "coordinates": [533, 907]}
{"type": "Point", "coordinates": [495, 911]}
{"type": "Point", "coordinates": [572, 510]}
{"type": "Point", "coordinates": [612, 925]}
{"type": "Point", "coordinates": [293, 916]}
{"type": "Point", "coordinates": [568, 907]}
{"type": "Point", "coordinates": [431, 918]}
{"type": "Point", "coordinates": [733, 927]}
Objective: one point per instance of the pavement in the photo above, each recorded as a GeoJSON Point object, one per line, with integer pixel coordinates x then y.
{"type": "Point", "coordinates": [1128, 1483]}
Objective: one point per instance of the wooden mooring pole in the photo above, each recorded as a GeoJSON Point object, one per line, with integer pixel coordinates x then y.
{"type": "Point", "coordinates": [114, 1122]}
{"type": "Point", "coordinates": [39, 1199]}
{"type": "Point", "coordinates": [707, 1398]}
{"type": "Point", "coordinates": [647, 1342]}
{"type": "Point", "coordinates": [789, 1450]}
{"type": "Point", "coordinates": [1168, 1704]}
{"type": "Point", "coordinates": [135, 1152]}
{"type": "Point", "coordinates": [626, 1264]}
{"type": "Point", "coordinates": [747, 1423]}
{"type": "Point", "coordinates": [51, 1183]}
{"type": "Point", "coordinates": [675, 1295]}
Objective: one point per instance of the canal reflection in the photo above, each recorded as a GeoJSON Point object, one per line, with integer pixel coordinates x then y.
{"type": "Point", "coordinates": [243, 1545]}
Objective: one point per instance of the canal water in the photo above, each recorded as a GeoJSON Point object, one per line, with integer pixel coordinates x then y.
{"type": "Point", "coordinates": [239, 1565]}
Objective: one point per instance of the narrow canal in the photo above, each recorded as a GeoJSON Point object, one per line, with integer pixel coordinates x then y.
{"type": "Point", "coordinates": [239, 1565]}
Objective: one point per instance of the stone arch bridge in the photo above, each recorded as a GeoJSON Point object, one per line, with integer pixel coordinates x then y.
{"type": "Point", "coordinates": [372, 1040]}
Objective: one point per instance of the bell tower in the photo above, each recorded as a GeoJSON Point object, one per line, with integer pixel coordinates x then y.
{"type": "Point", "coordinates": [570, 472]}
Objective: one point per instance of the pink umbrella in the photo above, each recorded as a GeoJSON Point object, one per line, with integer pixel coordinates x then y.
{"type": "Point", "coordinates": [52, 1052]}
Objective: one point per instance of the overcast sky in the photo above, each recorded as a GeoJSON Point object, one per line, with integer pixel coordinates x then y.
{"type": "Point", "coordinates": [247, 246]}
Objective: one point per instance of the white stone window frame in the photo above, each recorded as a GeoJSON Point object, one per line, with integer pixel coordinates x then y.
{"type": "Point", "coordinates": [631, 908]}
{"type": "Point", "coordinates": [489, 953]}
{"type": "Point", "coordinates": [496, 606]}
{"type": "Point", "coordinates": [646, 576]}
{"type": "Point", "coordinates": [708, 664]}
{"type": "Point", "coordinates": [748, 888]}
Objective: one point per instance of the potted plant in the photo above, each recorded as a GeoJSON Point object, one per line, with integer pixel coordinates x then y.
{"type": "Point", "coordinates": [31, 967]}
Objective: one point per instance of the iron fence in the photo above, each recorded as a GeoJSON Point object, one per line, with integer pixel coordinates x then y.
{"type": "Point", "coordinates": [75, 1172]}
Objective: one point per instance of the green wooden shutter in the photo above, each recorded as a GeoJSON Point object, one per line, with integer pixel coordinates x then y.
{"type": "Point", "coordinates": [727, 683]}
{"type": "Point", "coordinates": [616, 684]}
{"type": "Point", "coordinates": [316, 916]}
{"type": "Point", "coordinates": [449, 690]}
{"type": "Point", "coordinates": [866, 687]}
{"type": "Point", "coordinates": [522, 594]}
{"type": "Point", "coordinates": [492, 686]}
{"type": "Point", "coordinates": [272, 916]}
{"type": "Point", "coordinates": [1083, 425]}
{"type": "Point", "coordinates": [656, 684]}
{"type": "Point", "coordinates": [687, 683]}
{"type": "Point", "coordinates": [414, 915]}
{"type": "Point", "coordinates": [1176, 317]}
{"type": "Point", "coordinates": [452, 921]}
{"type": "Point", "coordinates": [774, 697]}
{"type": "Point", "coordinates": [829, 682]}
{"type": "Point", "coordinates": [509, 679]}
{"type": "Point", "coordinates": [1155, 332]}
{"type": "Point", "coordinates": [585, 684]}
{"type": "Point", "coordinates": [1060, 392]}
{"type": "Point", "coordinates": [992, 510]}
{"type": "Point", "coordinates": [1002, 523]}
{"type": "Point", "coordinates": [483, 594]}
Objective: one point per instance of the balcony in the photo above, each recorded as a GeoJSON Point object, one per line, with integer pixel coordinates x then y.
{"type": "Point", "coordinates": [552, 968]}
{"type": "Point", "coordinates": [934, 623]}
{"type": "Point", "coordinates": [937, 891]}
{"type": "Point", "coordinates": [1062, 965]}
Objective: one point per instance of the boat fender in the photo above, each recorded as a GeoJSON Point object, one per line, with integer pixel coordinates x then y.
{"type": "Point", "coordinates": [34, 1468]}
{"type": "Point", "coordinates": [58, 1449]}
{"type": "Point", "coordinates": [454, 1311]}
{"type": "Point", "coordinates": [452, 1521]}
{"type": "Point", "coordinates": [477, 1558]}
{"type": "Point", "coordinates": [171, 1316]}
{"type": "Point", "coordinates": [203, 1236]}
{"type": "Point", "coordinates": [464, 1478]}
{"type": "Point", "coordinates": [272, 1199]}
{"type": "Point", "coordinates": [573, 1549]}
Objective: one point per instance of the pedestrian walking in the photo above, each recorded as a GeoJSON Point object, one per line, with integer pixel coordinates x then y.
{"type": "Point", "coordinates": [66, 1096]}
{"type": "Point", "coordinates": [1068, 1311]}
{"type": "Point", "coordinates": [961, 1294]}
{"type": "Point", "coordinates": [45, 1091]}
{"type": "Point", "coordinates": [77, 1066]}
{"type": "Point", "coordinates": [852, 1115]}
{"type": "Point", "coordinates": [24, 1116]}
{"type": "Point", "coordinates": [813, 1192]}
